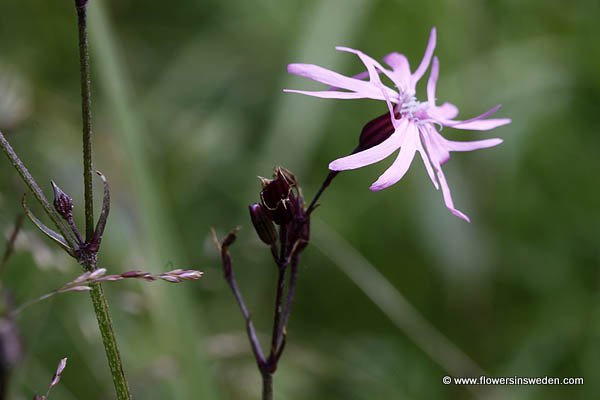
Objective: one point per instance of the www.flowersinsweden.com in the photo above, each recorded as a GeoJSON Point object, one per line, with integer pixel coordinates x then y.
{"type": "Point", "coordinates": [512, 380]}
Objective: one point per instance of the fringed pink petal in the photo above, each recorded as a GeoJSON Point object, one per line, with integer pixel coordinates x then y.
{"type": "Point", "coordinates": [331, 94]}
{"type": "Point", "coordinates": [373, 154]}
{"type": "Point", "coordinates": [334, 79]}
{"type": "Point", "coordinates": [398, 169]}
{"type": "Point", "coordinates": [427, 163]}
{"type": "Point", "coordinates": [431, 84]}
{"type": "Point", "coordinates": [446, 111]}
{"type": "Point", "coordinates": [420, 71]}
{"type": "Point", "coordinates": [473, 145]}
{"type": "Point", "coordinates": [477, 123]}
{"type": "Point", "coordinates": [482, 125]}
{"type": "Point", "coordinates": [448, 196]}
{"type": "Point", "coordinates": [369, 61]}
{"type": "Point", "coordinates": [436, 147]}
{"type": "Point", "coordinates": [400, 68]}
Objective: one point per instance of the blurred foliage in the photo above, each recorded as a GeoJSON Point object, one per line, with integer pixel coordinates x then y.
{"type": "Point", "coordinates": [189, 110]}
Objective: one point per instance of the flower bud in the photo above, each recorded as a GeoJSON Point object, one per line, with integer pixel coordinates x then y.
{"type": "Point", "coordinates": [375, 132]}
{"type": "Point", "coordinates": [263, 225]}
{"type": "Point", "coordinates": [63, 203]}
{"type": "Point", "coordinates": [277, 196]}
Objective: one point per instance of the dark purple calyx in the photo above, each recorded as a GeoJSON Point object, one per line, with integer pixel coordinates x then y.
{"type": "Point", "coordinates": [63, 204]}
{"type": "Point", "coordinates": [375, 132]}
{"type": "Point", "coordinates": [263, 225]}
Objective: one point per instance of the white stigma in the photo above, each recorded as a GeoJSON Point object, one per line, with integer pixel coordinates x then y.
{"type": "Point", "coordinates": [410, 106]}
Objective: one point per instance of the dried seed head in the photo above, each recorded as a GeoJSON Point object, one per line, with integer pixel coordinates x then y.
{"type": "Point", "coordinates": [63, 203]}
{"type": "Point", "coordinates": [179, 275]}
{"type": "Point", "coordinates": [278, 197]}
{"type": "Point", "coordinates": [263, 225]}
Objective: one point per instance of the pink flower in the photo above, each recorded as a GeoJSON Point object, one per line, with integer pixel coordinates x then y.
{"type": "Point", "coordinates": [415, 125]}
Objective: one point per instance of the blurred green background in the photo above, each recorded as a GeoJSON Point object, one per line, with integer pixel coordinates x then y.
{"type": "Point", "coordinates": [394, 292]}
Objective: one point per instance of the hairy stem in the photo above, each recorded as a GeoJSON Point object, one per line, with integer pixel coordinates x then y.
{"type": "Point", "coordinates": [97, 294]}
{"type": "Point", "coordinates": [110, 342]}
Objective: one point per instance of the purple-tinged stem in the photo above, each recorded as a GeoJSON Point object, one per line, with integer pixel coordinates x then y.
{"type": "Point", "coordinates": [10, 244]}
{"type": "Point", "coordinates": [230, 278]}
{"type": "Point", "coordinates": [281, 334]}
{"type": "Point", "coordinates": [277, 316]}
{"type": "Point", "coordinates": [267, 386]}
{"type": "Point", "coordinates": [324, 185]}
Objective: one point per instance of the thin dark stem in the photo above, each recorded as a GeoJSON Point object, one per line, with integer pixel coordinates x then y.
{"type": "Point", "coordinates": [267, 386]}
{"type": "Point", "coordinates": [281, 334]}
{"type": "Point", "coordinates": [10, 244]}
{"type": "Point", "coordinates": [324, 185]}
{"type": "Point", "coordinates": [250, 330]}
{"type": "Point", "coordinates": [230, 278]}
{"type": "Point", "coordinates": [277, 314]}
{"type": "Point", "coordinates": [36, 190]}
{"type": "Point", "coordinates": [283, 243]}
{"type": "Point", "coordinates": [86, 112]}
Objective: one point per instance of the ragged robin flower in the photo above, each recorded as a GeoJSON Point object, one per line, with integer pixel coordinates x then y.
{"type": "Point", "coordinates": [410, 125]}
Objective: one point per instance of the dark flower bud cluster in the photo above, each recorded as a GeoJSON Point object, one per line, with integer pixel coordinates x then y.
{"type": "Point", "coordinates": [281, 205]}
{"type": "Point", "coordinates": [280, 196]}
{"type": "Point", "coordinates": [280, 219]}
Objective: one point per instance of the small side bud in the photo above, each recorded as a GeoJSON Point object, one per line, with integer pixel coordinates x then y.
{"type": "Point", "coordinates": [63, 203]}
{"type": "Point", "coordinates": [263, 225]}
{"type": "Point", "coordinates": [375, 132]}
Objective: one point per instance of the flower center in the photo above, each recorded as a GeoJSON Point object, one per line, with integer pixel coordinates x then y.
{"type": "Point", "coordinates": [410, 107]}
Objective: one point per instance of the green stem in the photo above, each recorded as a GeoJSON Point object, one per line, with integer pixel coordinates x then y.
{"type": "Point", "coordinates": [110, 342]}
{"type": "Point", "coordinates": [36, 190]}
{"type": "Point", "coordinates": [97, 294]}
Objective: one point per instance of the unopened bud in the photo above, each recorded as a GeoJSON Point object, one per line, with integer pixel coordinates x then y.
{"type": "Point", "coordinates": [375, 132]}
{"type": "Point", "coordinates": [63, 204]}
{"type": "Point", "coordinates": [263, 225]}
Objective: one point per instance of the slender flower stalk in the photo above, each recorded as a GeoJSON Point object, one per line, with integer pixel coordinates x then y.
{"type": "Point", "coordinates": [97, 293]}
